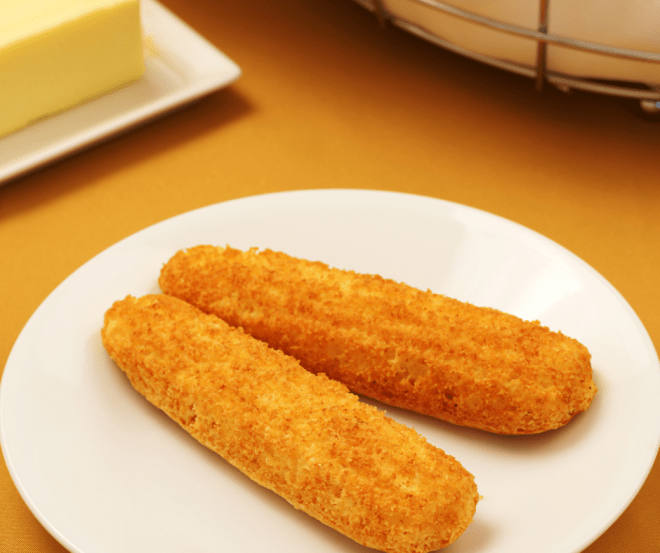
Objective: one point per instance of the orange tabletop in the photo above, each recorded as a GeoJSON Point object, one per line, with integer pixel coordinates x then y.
{"type": "Point", "coordinates": [328, 98]}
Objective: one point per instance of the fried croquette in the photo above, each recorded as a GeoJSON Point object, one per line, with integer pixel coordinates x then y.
{"type": "Point", "coordinates": [468, 365]}
{"type": "Point", "coordinates": [301, 435]}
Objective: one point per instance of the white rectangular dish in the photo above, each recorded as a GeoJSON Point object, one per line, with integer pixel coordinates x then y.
{"type": "Point", "coordinates": [181, 66]}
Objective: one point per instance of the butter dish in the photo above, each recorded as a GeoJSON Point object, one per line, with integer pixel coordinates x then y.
{"type": "Point", "coordinates": [180, 67]}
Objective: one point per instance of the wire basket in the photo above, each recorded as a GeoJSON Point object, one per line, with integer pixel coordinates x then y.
{"type": "Point", "coordinates": [647, 95]}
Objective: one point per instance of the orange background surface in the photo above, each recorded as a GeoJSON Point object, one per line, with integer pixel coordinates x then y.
{"type": "Point", "coordinates": [329, 99]}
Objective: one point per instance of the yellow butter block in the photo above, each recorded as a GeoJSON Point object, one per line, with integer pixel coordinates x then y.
{"type": "Point", "coordinates": [55, 54]}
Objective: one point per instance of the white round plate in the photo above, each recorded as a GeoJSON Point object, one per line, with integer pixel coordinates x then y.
{"type": "Point", "coordinates": [104, 471]}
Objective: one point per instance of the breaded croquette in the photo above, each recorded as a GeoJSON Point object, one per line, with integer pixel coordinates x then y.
{"type": "Point", "coordinates": [303, 436]}
{"type": "Point", "coordinates": [472, 366]}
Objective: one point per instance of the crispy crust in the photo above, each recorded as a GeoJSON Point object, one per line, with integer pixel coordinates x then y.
{"type": "Point", "coordinates": [303, 436]}
{"type": "Point", "coordinates": [425, 352]}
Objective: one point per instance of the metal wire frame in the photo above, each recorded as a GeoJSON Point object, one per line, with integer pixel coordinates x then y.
{"type": "Point", "coordinates": [649, 98]}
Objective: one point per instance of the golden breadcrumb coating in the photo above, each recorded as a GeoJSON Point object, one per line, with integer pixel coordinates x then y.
{"type": "Point", "coordinates": [303, 436]}
{"type": "Point", "coordinates": [468, 365]}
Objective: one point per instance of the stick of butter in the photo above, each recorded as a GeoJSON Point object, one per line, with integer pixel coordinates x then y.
{"type": "Point", "coordinates": [55, 54]}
